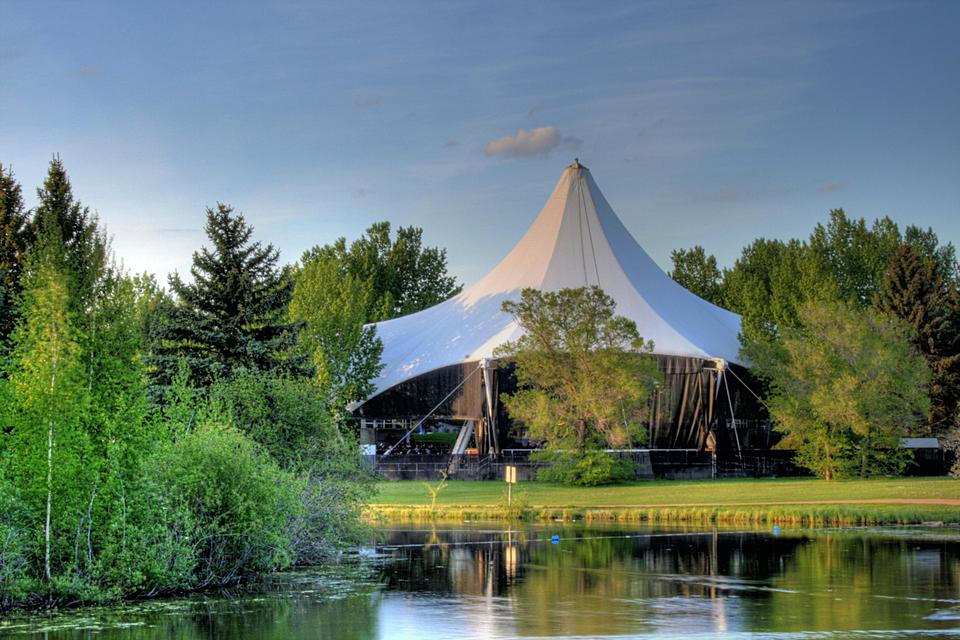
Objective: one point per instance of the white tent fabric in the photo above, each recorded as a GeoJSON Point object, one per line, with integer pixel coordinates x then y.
{"type": "Point", "coordinates": [577, 240]}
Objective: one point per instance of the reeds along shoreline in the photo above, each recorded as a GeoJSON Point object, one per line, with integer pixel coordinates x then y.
{"type": "Point", "coordinates": [812, 516]}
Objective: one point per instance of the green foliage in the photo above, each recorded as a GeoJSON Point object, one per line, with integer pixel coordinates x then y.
{"type": "Point", "coordinates": [770, 282]}
{"type": "Point", "coordinates": [842, 260]}
{"type": "Point", "coordinates": [234, 505]}
{"type": "Point", "coordinates": [333, 306]}
{"type": "Point", "coordinates": [587, 468]}
{"type": "Point", "coordinates": [915, 290]}
{"type": "Point", "coordinates": [289, 420]}
{"type": "Point", "coordinates": [584, 372]}
{"type": "Point", "coordinates": [287, 417]}
{"type": "Point", "coordinates": [49, 451]}
{"type": "Point", "coordinates": [854, 255]}
{"type": "Point", "coordinates": [697, 272]}
{"type": "Point", "coordinates": [233, 315]}
{"type": "Point", "coordinates": [400, 275]}
{"type": "Point", "coordinates": [116, 374]}
{"type": "Point", "coordinates": [102, 495]}
{"type": "Point", "coordinates": [14, 544]}
{"type": "Point", "coordinates": [14, 239]}
{"type": "Point", "coordinates": [845, 387]}
{"type": "Point", "coordinates": [65, 235]}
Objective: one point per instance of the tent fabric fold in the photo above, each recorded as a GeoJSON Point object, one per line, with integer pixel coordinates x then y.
{"type": "Point", "coordinates": [577, 240]}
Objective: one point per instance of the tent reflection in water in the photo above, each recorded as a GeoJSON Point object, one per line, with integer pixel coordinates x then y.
{"type": "Point", "coordinates": [437, 361]}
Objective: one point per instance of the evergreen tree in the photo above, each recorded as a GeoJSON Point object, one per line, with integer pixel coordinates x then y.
{"type": "Point", "coordinates": [64, 233]}
{"type": "Point", "coordinates": [233, 315]}
{"type": "Point", "coordinates": [915, 290]}
{"type": "Point", "coordinates": [927, 245]}
{"type": "Point", "coordinates": [13, 246]}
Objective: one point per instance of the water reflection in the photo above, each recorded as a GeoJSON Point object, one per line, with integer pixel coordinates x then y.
{"type": "Point", "coordinates": [471, 582]}
{"type": "Point", "coordinates": [614, 582]}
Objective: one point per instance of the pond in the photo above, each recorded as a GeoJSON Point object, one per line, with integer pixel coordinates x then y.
{"type": "Point", "coordinates": [576, 581]}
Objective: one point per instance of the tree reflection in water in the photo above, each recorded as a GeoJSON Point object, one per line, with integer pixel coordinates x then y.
{"type": "Point", "coordinates": [472, 582]}
{"type": "Point", "coordinates": [610, 581]}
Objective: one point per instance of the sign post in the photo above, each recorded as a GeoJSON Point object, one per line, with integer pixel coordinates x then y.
{"type": "Point", "coordinates": [510, 475]}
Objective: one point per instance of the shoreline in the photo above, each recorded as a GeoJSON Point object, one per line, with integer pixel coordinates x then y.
{"type": "Point", "coordinates": [814, 514]}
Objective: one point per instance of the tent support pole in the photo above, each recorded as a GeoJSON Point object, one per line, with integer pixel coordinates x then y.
{"type": "Point", "coordinates": [430, 413]}
{"type": "Point", "coordinates": [736, 434]}
{"type": "Point", "coordinates": [491, 414]}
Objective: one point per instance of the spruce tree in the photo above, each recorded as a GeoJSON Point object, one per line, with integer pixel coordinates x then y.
{"type": "Point", "coordinates": [65, 234]}
{"type": "Point", "coordinates": [13, 246]}
{"type": "Point", "coordinates": [232, 317]}
{"type": "Point", "coordinates": [915, 290]}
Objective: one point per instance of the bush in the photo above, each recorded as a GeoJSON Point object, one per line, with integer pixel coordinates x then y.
{"type": "Point", "coordinates": [287, 417]}
{"type": "Point", "coordinates": [587, 468]}
{"type": "Point", "coordinates": [14, 551]}
{"type": "Point", "coordinates": [227, 501]}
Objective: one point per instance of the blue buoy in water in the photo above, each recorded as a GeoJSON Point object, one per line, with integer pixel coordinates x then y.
{"type": "Point", "coordinates": [554, 539]}
{"type": "Point", "coordinates": [776, 530]}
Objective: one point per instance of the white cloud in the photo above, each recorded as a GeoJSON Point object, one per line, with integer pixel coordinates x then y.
{"type": "Point", "coordinates": [526, 143]}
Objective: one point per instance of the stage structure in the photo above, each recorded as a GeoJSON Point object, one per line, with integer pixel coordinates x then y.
{"type": "Point", "coordinates": [438, 361]}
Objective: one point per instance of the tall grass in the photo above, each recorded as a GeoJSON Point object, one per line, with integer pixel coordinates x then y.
{"type": "Point", "coordinates": [794, 515]}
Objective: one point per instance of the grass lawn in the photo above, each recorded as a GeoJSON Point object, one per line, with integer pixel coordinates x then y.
{"type": "Point", "coordinates": [671, 492]}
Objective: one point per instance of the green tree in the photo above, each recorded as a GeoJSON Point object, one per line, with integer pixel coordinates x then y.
{"type": "Point", "coordinates": [49, 400]}
{"type": "Point", "coordinates": [287, 417]}
{"type": "Point", "coordinates": [855, 255]}
{"type": "Point", "coordinates": [14, 238]}
{"type": "Point", "coordinates": [233, 315]}
{"type": "Point", "coordinates": [697, 272]}
{"type": "Point", "coordinates": [400, 274]}
{"type": "Point", "coordinates": [64, 233]}
{"type": "Point", "coordinates": [927, 245]}
{"type": "Point", "coordinates": [770, 282]}
{"type": "Point", "coordinates": [332, 306]}
{"type": "Point", "coordinates": [234, 505]}
{"type": "Point", "coordinates": [845, 385]}
{"type": "Point", "coordinates": [915, 291]}
{"type": "Point", "coordinates": [584, 373]}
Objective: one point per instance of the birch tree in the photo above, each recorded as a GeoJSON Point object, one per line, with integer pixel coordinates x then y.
{"type": "Point", "coordinates": [49, 400]}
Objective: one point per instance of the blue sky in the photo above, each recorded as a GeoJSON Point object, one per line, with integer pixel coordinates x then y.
{"type": "Point", "coordinates": [703, 123]}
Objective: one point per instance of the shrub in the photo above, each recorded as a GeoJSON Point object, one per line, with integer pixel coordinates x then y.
{"type": "Point", "coordinates": [14, 551]}
{"type": "Point", "coordinates": [587, 468]}
{"type": "Point", "coordinates": [228, 501]}
{"type": "Point", "coordinates": [287, 417]}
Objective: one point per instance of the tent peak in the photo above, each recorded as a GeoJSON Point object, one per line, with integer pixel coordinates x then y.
{"type": "Point", "coordinates": [576, 166]}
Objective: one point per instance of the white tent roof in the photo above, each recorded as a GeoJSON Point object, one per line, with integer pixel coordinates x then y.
{"type": "Point", "coordinates": [577, 240]}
